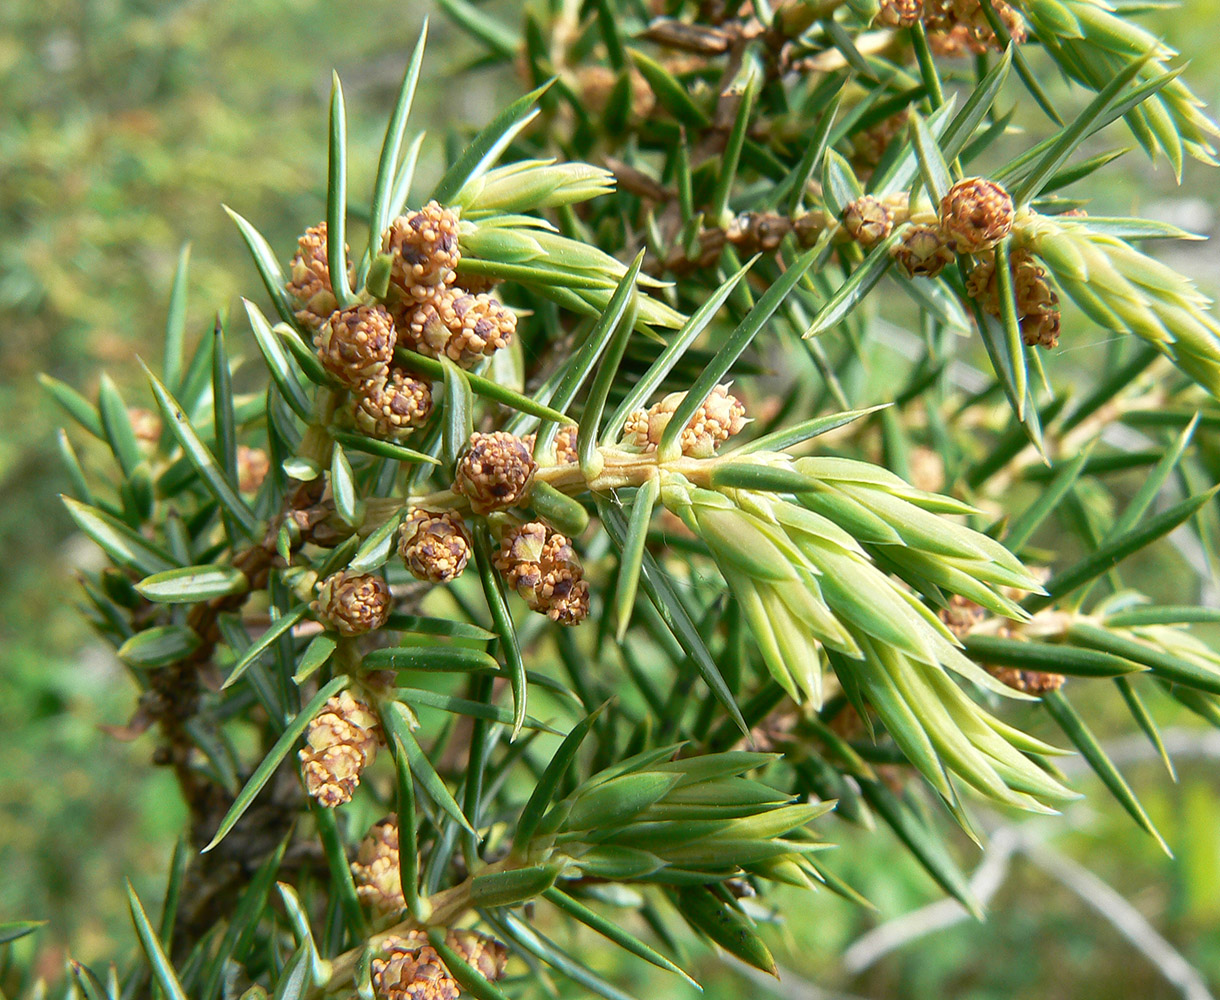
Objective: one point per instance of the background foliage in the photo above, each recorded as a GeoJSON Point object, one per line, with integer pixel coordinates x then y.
{"type": "Point", "coordinates": [126, 124]}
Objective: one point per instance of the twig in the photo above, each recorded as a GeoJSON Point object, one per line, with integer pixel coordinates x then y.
{"type": "Point", "coordinates": [1124, 917]}
{"type": "Point", "coordinates": [790, 986]}
{"type": "Point", "coordinates": [989, 876]}
{"type": "Point", "coordinates": [1180, 743]}
{"type": "Point", "coordinates": [894, 934]}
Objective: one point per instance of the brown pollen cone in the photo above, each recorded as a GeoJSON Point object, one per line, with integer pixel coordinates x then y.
{"type": "Point", "coordinates": [719, 417]}
{"type": "Point", "coordinates": [921, 252]}
{"type": "Point", "coordinates": [751, 232]}
{"type": "Point", "coordinates": [869, 145]}
{"type": "Point", "coordinates": [434, 545]}
{"type": "Point", "coordinates": [868, 220]}
{"type": "Point", "coordinates": [340, 743]}
{"type": "Point", "coordinates": [481, 952]}
{"type": "Point", "coordinates": [462, 327]}
{"type": "Point", "coordinates": [565, 444]}
{"type": "Point", "coordinates": [596, 85]}
{"type": "Point", "coordinates": [494, 472]}
{"type": "Point", "coordinates": [310, 282]}
{"type": "Point", "coordinates": [1029, 681]}
{"type": "Point", "coordinates": [376, 869]}
{"type": "Point", "coordinates": [252, 468]}
{"type": "Point", "coordinates": [1037, 303]}
{"type": "Point", "coordinates": [961, 27]}
{"type": "Point", "coordinates": [962, 615]}
{"type": "Point", "coordinates": [545, 571]}
{"type": "Point", "coordinates": [353, 603]}
{"type": "Point", "coordinates": [424, 246]}
{"type": "Point", "coordinates": [975, 214]}
{"type": "Point", "coordinates": [392, 407]}
{"type": "Point", "coordinates": [357, 344]}
{"type": "Point", "coordinates": [412, 970]}
{"type": "Point", "coordinates": [899, 13]}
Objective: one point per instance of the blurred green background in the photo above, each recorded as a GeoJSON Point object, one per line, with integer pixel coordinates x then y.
{"type": "Point", "coordinates": [123, 126]}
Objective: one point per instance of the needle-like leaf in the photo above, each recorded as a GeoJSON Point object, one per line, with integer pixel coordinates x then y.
{"type": "Point", "coordinates": [267, 767]}
{"type": "Point", "coordinates": [487, 146]}
{"type": "Point", "coordinates": [268, 267]}
{"type": "Point", "coordinates": [665, 362]}
{"type": "Point", "coordinates": [398, 725]}
{"type": "Point", "coordinates": [1075, 729]}
{"type": "Point", "coordinates": [1116, 550]}
{"type": "Point", "coordinates": [663, 596]}
{"type": "Point", "coordinates": [279, 364]}
{"type": "Point", "coordinates": [175, 323]}
{"type": "Point", "coordinates": [387, 162]}
{"type": "Point", "coordinates": [408, 830]}
{"type": "Point", "coordinates": [201, 458]}
{"type": "Point", "coordinates": [163, 971]}
{"type": "Point", "coordinates": [493, 593]}
{"type": "Point", "coordinates": [336, 198]}
{"type": "Point", "coordinates": [730, 351]}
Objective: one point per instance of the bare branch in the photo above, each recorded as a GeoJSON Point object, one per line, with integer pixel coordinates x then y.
{"type": "Point", "coordinates": [1124, 917]}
